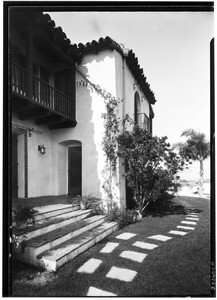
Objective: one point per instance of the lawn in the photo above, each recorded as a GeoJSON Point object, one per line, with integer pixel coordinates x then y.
{"type": "Point", "coordinates": [178, 267]}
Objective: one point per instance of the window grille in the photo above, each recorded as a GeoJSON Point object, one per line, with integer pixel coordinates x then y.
{"type": "Point", "coordinates": [146, 123]}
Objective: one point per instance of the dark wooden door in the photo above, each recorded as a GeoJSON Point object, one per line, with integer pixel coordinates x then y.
{"type": "Point", "coordinates": [14, 171]}
{"type": "Point", "coordinates": [74, 170]}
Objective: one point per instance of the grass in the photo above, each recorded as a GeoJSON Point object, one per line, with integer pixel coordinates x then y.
{"type": "Point", "coordinates": [166, 206]}
{"type": "Point", "coordinates": [179, 267]}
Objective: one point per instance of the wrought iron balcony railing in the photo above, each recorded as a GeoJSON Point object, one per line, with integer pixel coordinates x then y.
{"type": "Point", "coordinates": [143, 121]}
{"type": "Point", "coordinates": [42, 93]}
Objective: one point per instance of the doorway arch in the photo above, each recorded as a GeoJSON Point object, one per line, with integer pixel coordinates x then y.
{"type": "Point", "coordinates": [75, 169]}
{"type": "Point", "coordinates": [70, 167]}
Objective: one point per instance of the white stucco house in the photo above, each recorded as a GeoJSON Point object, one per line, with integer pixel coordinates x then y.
{"type": "Point", "coordinates": [56, 114]}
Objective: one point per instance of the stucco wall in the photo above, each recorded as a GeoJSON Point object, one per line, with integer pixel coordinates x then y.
{"type": "Point", "coordinates": [41, 168]}
{"type": "Point", "coordinates": [48, 174]}
{"type": "Point", "coordinates": [126, 88]}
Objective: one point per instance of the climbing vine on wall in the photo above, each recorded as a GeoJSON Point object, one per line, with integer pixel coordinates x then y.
{"type": "Point", "coordinates": [112, 124]}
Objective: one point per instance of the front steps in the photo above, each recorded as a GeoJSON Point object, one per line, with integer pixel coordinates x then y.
{"type": "Point", "coordinates": [60, 233]}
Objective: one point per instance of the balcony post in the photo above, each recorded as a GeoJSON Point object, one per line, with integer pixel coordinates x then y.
{"type": "Point", "coordinates": [29, 56]}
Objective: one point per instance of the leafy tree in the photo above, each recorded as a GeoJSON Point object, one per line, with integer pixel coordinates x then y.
{"type": "Point", "coordinates": [150, 166]}
{"type": "Point", "coordinates": [195, 148]}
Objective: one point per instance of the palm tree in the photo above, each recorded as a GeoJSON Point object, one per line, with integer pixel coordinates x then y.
{"type": "Point", "coordinates": [196, 148]}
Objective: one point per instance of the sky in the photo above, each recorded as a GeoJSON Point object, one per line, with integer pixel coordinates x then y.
{"type": "Point", "coordinates": [173, 48]}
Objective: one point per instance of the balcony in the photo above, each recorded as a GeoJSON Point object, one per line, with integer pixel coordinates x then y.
{"type": "Point", "coordinates": [33, 98]}
{"type": "Point", "coordinates": [142, 120]}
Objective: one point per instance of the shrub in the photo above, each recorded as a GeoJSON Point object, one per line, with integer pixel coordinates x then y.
{"type": "Point", "coordinates": [24, 214]}
{"type": "Point", "coordinates": [127, 217]}
{"type": "Point", "coordinates": [121, 216]}
{"type": "Point", "coordinates": [19, 243]}
{"type": "Point", "coordinates": [89, 202]}
{"type": "Point", "coordinates": [150, 166]}
{"type": "Point", "coordinates": [112, 211]}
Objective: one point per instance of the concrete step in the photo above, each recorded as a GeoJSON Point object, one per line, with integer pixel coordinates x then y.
{"type": "Point", "coordinates": [49, 211]}
{"type": "Point", "coordinates": [56, 257]}
{"type": "Point", "coordinates": [40, 244]}
{"type": "Point", "coordinates": [44, 226]}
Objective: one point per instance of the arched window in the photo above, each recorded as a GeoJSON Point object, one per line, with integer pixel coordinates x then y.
{"type": "Point", "coordinates": [137, 109]}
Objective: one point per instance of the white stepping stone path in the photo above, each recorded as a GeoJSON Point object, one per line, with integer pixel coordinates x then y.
{"type": "Point", "coordinates": [160, 237]}
{"type": "Point", "coordinates": [177, 232]}
{"type": "Point", "coordinates": [185, 227]}
{"type": "Point", "coordinates": [97, 292]}
{"type": "Point", "coordinates": [121, 274]}
{"type": "Point", "coordinates": [132, 255]}
{"type": "Point", "coordinates": [143, 245]}
{"type": "Point", "coordinates": [109, 247]}
{"type": "Point", "coordinates": [189, 222]}
{"type": "Point", "coordinates": [191, 218]}
{"type": "Point", "coordinates": [192, 214]}
{"type": "Point", "coordinates": [125, 236]}
{"type": "Point", "coordinates": [90, 266]}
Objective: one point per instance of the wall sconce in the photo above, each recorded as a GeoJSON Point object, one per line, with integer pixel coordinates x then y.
{"type": "Point", "coordinates": [42, 149]}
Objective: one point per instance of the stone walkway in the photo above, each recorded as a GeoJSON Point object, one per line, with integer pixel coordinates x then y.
{"type": "Point", "coordinates": [147, 244]}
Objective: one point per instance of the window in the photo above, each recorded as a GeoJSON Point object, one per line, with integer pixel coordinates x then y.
{"type": "Point", "coordinates": [137, 109]}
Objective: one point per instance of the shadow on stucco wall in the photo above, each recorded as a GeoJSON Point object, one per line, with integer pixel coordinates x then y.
{"type": "Point", "coordinates": [88, 132]}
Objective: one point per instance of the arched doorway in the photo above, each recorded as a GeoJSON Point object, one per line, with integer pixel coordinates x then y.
{"type": "Point", "coordinates": [70, 167]}
{"type": "Point", "coordinates": [75, 168]}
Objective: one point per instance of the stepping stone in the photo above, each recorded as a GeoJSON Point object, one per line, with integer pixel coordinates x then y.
{"type": "Point", "coordinates": [160, 237]}
{"type": "Point", "coordinates": [178, 232]}
{"type": "Point", "coordinates": [90, 266]}
{"type": "Point", "coordinates": [186, 227]}
{"type": "Point", "coordinates": [109, 247]}
{"type": "Point", "coordinates": [121, 274]}
{"type": "Point", "coordinates": [97, 292]}
{"type": "Point", "coordinates": [145, 245]}
{"type": "Point", "coordinates": [189, 222]}
{"type": "Point", "coordinates": [125, 236]}
{"type": "Point", "coordinates": [191, 218]}
{"type": "Point", "coordinates": [135, 256]}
